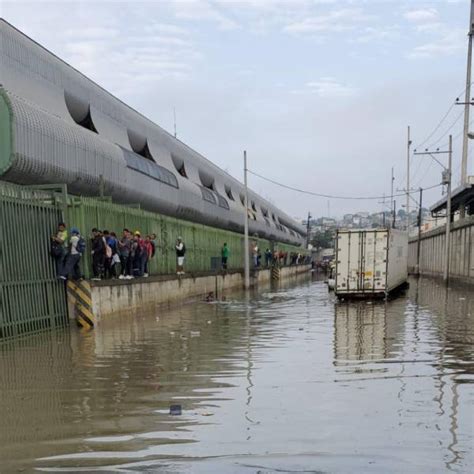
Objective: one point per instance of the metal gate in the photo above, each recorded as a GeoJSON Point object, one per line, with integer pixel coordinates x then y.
{"type": "Point", "coordinates": [31, 298]}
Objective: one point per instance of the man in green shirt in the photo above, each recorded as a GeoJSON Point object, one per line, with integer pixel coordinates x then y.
{"type": "Point", "coordinates": [225, 255]}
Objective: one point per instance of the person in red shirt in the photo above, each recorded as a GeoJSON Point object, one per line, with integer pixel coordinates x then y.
{"type": "Point", "coordinates": [149, 248]}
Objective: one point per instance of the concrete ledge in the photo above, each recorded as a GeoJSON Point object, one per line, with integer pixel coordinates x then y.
{"type": "Point", "coordinates": [145, 294]}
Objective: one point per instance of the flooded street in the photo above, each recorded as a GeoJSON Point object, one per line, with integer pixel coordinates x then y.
{"type": "Point", "coordinates": [287, 381]}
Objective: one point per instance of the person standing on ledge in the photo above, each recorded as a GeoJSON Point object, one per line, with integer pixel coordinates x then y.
{"type": "Point", "coordinates": [58, 247]}
{"type": "Point", "coordinates": [180, 253]}
{"type": "Point", "coordinates": [255, 252]}
{"type": "Point", "coordinates": [225, 255]}
{"type": "Point", "coordinates": [98, 254]}
{"type": "Point", "coordinates": [77, 246]}
{"type": "Point", "coordinates": [268, 257]}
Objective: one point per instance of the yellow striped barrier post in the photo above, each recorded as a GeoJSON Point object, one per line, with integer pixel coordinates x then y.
{"type": "Point", "coordinates": [275, 272]}
{"type": "Point", "coordinates": [80, 300]}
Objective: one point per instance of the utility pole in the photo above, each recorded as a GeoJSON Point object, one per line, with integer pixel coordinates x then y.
{"type": "Point", "coordinates": [446, 180]}
{"type": "Point", "coordinates": [467, 99]}
{"type": "Point", "coordinates": [418, 243]}
{"type": "Point", "coordinates": [246, 229]}
{"type": "Point", "coordinates": [408, 177]}
{"type": "Point", "coordinates": [448, 209]}
{"type": "Point", "coordinates": [394, 213]}
{"type": "Point", "coordinates": [308, 228]}
{"type": "Point", "coordinates": [391, 200]}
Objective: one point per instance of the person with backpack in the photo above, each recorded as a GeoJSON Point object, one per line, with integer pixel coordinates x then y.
{"type": "Point", "coordinates": [110, 253]}
{"type": "Point", "coordinates": [58, 247]}
{"type": "Point", "coordinates": [98, 254]}
{"type": "Point", "coordinates": [180, 253]}
{"type": "Point", "coordinates": [76, 248]}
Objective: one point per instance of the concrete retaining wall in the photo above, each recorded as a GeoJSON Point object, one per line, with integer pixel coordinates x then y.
{"type": "Point", "coordinates": [140, 295]}
{"type": "Point", "coordinates": [432, 253]}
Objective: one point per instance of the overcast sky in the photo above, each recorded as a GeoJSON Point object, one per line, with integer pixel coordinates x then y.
{"type": "Point", "coordinates": [318, 92]}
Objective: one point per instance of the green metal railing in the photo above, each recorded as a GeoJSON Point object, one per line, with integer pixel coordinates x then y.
{"type": "Point", "coordinates": [202, 242]}
{"type": "Point", "coordinates": [31, 299]}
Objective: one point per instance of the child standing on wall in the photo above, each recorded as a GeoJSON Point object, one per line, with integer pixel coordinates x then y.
{"type": "Point", "coordinates": [180, 253]}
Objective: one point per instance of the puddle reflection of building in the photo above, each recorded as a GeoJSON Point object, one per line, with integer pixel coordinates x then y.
{"type": "Point", "coordinates": [452, 313]}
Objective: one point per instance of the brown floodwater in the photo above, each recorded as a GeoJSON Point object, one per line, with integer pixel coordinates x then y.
{"type": "Point", "coordinates": [285, 380]}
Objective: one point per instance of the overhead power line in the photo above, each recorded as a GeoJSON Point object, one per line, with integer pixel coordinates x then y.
{"type": "Point", "coordinates": [456, 120]}
{"type": "Point", "coordinates": [332, 196]}
{"type": "Point", "coordinates": [445, 116]}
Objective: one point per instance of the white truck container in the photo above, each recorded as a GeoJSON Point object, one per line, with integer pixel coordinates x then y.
{"type": "Point", "coordinates": [371, 262]}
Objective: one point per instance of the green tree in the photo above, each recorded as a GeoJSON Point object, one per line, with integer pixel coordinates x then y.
{"type": "Point", "coordinates": [323, 239]}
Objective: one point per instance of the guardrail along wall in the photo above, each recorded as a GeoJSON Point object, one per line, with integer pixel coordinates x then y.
{"type": "Point", "coordinates": [202, 242]}
{"type": "Point", "coordinates": [432, 251]}
{"type": "Point", "coordinates": [31, 299]}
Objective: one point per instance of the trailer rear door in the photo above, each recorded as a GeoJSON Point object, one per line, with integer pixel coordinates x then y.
{"type": "Point", "coordinates": [361, 261]}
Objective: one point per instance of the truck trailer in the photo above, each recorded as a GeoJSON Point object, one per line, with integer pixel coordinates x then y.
{"type": "Point", "coordinates": [371, 262]}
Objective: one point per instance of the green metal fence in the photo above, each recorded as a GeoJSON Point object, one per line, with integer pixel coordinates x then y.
{"type": "Point", "coordinates": [202, 242]}
{"type": "Point", "coordinates": [31, 299]}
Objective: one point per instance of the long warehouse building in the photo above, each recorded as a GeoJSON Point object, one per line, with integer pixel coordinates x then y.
{"type": "Point", "coordinates": [58, 126]}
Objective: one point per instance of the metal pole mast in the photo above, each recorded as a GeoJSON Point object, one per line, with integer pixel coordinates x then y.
{"type": "Point", "coordinates": [308, 228]}
{"type": "Point", "coordinates": [246, 230]}
{"type": "Point", "coordinates": [408, 178]}
{"type": "Point", "coordinates": [418, 244]}
{"type": "Point", "coordinates": [448, 210]}
{"type": "Point", "coordinates": [467, 101]}
{"type": "Point", "coordinates": [391, 200]}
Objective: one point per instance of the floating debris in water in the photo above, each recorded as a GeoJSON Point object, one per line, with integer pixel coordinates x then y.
{"type": "Point", "coordinates": [175, 410]}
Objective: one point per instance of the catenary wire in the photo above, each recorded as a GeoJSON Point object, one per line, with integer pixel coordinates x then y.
{"type": "Point", "coordinates": [331, 196]}
{"type": "Point", "coordinates": [440, 122]}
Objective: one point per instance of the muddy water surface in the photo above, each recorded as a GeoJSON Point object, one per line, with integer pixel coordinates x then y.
{"type": "Point", "coordinates": [287, 380]}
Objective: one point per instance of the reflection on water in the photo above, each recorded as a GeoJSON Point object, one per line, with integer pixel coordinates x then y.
{"type": "Point", "coordinates": [286, 379]}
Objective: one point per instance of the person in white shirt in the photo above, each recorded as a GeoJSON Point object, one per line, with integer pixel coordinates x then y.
{"type": "Point", "coordinates": [73, 257]}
